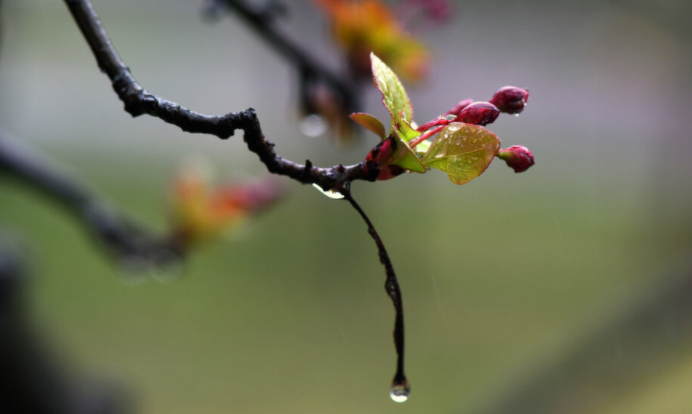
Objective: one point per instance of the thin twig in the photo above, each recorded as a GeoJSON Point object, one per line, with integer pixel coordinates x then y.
{"type": "Point", "coordinates": [391, 286]}
{"type": "Point", "coordinates": [138, 102]}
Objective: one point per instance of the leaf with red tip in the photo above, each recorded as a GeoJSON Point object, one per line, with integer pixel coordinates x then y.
{"type": "Point", "coordinates": [394, 95]}
{"type": "Point", "coordinates": [371, 123]}
{"type": "Point", "coordinates": [463, 151]}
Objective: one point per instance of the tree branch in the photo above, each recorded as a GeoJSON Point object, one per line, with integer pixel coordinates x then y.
{"type": "Point", "coordinates": [138, 102]}
{"type": "Point", "coordinates": [122, 238]}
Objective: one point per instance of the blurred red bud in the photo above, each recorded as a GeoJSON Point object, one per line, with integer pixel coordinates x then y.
{"type": "Point", "coordinates": [478, 113]}
{"type": "Point", "coordinates": [510, 99]}
{"type": "Point", "coordinates": [202, 212]}
{"type": "Point", "coordinates": [517, 157]}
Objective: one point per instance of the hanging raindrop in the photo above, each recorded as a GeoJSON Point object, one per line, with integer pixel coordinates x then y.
{"type": "Point", "coordinates": [313, 125]}
{"type": "Point", "coordinates": [400, 391]}
{"type": "Point", "coordinates": [331, 193]}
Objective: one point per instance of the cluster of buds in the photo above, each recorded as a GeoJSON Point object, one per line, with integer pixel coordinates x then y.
{"type": "Point", "coordinates": [365, 26]}
{"type": "Point", "coordinates": [202, 212]}
{"type": "Point", "coordinates": [508, 99]}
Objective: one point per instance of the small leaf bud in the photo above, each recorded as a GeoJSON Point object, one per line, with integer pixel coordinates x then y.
{"type": "Point", "coordinates": [517, 157]}
{"type": "Point", "coordinates": [478, 113]}
{"type": "Point", "coordinates": [510, 99]}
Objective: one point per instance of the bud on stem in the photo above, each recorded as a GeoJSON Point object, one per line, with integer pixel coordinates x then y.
{"type": "Point", "coordinates": [510, 99]}
{"type": "Point", "coordinates": [478, 113]}
{"type": "Point", "coordinates": [517, 157]}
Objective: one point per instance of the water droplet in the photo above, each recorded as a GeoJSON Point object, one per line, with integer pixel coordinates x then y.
{"type": "Point", "coordinates": [313, 125]}
{"type": "Point", "coordinates": [331, 193]}
{"type": "Point", "coordinates": [516, 115]}
{"type": "Point", "coordinates": [453, 128]}
{"type": "Point", "coordinates": [400, 391]}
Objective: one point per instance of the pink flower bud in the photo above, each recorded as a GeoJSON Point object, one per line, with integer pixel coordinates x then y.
{"type": "Point", "coordinates": [517, 157]}
{"type": "Point", "coordinates": [478, 113]}
{"type": "Point", "coordinates": [510, 99]}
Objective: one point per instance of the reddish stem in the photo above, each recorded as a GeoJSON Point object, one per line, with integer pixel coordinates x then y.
{"type": "Point", "coordinates": [433, 123]}
{"type": "Point", "coordinates": [425, 136]}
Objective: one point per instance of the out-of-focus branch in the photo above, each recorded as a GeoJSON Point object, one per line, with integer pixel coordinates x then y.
{"type": "Point", "coordinates": [122, 238]}
{"type": "Point", "coordinates": [138, 102]}
{"type": "Point", "coordinates": [263, 22]}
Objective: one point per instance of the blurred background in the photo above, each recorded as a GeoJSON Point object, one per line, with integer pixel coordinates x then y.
{"type": "Point", "coordinates": [562, 289]}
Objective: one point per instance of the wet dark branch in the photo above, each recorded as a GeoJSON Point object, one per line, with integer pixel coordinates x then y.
{"type": "Point", "coordinates": [400, 387]}
{"type": "Point", "coordinates": [122, 238]}
{"type": "Point", "coordinates": [138, 102]}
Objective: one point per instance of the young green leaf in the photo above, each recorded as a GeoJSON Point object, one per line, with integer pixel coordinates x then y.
{"type": "Point", "coordinates": [405, 130]}
{"type": "Point", "coordinates": [463, 151]}
{"type": "Point", "coordinates": [405, 157]}
{"type": "Point", "coordinates": [371, 123]}
{"type": "Point", "coordinates": [394, 95]}
{"type": "Point", "coordinates": [423, 147]}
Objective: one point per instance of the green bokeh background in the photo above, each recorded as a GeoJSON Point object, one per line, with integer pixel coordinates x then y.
{"type": "Point", "coordinates": [500, 277]}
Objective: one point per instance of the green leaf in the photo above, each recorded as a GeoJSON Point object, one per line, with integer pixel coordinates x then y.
{"type": "Point", "coordinates": [371, 123]}
{"type": "Point", "coordinates": [463, 151]}
{"type": "Point", "coordinates": [423, 147]}
{"type": "Point", "coordinates": [405, 130]}
{"type": "Point", "coordinates": [405, 157]}
{"type": "Point", "coordinates": [394, 95]}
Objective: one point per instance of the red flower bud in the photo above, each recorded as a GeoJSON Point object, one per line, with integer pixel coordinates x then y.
{"type": "Point", "coordinates": [510, 99]}
{"type": "Point", "coordinates": [458, 107]}
{"type": "Point", "coordinates": [382, 154]}
{"type": "Point", "coordinates": [478, 113]}
{"type": "Point", "coordinates": [517, 157]}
